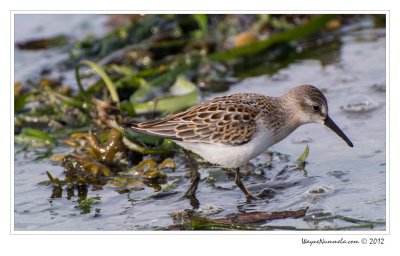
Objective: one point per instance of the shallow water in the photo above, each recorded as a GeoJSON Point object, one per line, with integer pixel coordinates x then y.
{"type": "Point", "coordinates": [29, 64]}
{"type": "Point", "coordinates": [339, 180]}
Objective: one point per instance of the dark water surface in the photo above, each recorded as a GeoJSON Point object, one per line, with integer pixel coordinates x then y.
{"type": "Point", "coordinates": [339, 180]}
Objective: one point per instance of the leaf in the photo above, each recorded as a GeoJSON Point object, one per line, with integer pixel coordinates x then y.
{"type": "Point", "coordinates": [202, 21]}
{"type": "Point", "coordinates": [43, 155]}
{"type": "Point", "coordinates": [167, 163]}
{"type": "Point", "coordinates": [52, 180]}
{"type": "Point", "coordinates": [86, 204]}
{"type": "Point", "coordinates": [145, 151]}
{"type": "Point", "coordinates": [143, 90]}
{"type": "Point", "coordinates": [288, 35]}
{"type": "Point", "coordinates": [127, 107]}
{"type": "Point", "coordinates": [256, 217]}
{"type": "Point", "coordinates": [184, 95]}
{"type": "Point", "coordinates": [182, 86]}
{"type": "Point", "coordinates": [43, 43]}
{"type": "Point", "coordinates": [38, 135]}
{"type": "Point", "coordinates": [128, 82]}
{"type": "Point", "coordinates": [50, 176]}
{"type": "Point", "coordinates": [20, 102]}
{"type": "Point", "coordinates": [172, 184]}
{"type": "Point", "coordinates": [100, 71]}
{"type": "Point", "coordinates": [170, 75]}
{"type": "Point", "coordinates": [302, 159]}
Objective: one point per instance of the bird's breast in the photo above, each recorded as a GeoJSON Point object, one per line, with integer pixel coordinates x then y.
{"type": "Point", "coordinates": [230, 156]}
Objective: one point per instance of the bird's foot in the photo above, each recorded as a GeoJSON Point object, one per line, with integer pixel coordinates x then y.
{"type": "Point", "coordinates": [250, 197]}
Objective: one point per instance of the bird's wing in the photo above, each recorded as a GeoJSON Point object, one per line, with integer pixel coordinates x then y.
{"type": "Point", "coordinates": [226, 122]}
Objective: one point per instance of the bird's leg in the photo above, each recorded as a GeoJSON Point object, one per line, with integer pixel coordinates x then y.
{"type": "Point", "coordinates": [195, 178]}
{"type": "Point", "coordinates": [239, 183]}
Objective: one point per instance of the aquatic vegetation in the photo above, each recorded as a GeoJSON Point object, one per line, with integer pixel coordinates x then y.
{"type": "Point", "coordinates": [240, 221]}
{"type": "Point", "coordinates": [187, 220]}
{"type": "Point", "coordinates": [43, 43]}
{"type": "Point", "coordinates": [103, 75]}
{"type": "Point", "coordinates": [48, 106]}
{"type": "Point", "coordinates": [86, 204]}
{"type": "Point", "coordinates": [182, 94]}
{"type": "Point", "coordinates": [167, 163]}
{"type": "Point", "coordinates": [150, 171]}
{"type": "Point", "coordinates": [302, 159]}
{"type": "Point", "coordinates": [104, 111]}
{"type": "Point", "coordinates": [84, 164]}
{"type": "Point", "coordinates": [127, 183]}
{"type": "Point", "coordinates": [35, 135]}
{"type": "Point", "coordinates": [109, 152]}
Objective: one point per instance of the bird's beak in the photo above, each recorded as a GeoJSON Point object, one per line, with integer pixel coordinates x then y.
{"type": "Point", "coordinates": [328, 122]}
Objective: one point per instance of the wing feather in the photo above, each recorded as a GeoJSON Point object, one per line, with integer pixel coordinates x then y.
{"type": "Point", "coordinates": [227, 120]}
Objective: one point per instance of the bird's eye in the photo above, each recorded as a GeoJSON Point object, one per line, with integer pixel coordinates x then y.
{"type": "Point", "coordinates": [316, 108]}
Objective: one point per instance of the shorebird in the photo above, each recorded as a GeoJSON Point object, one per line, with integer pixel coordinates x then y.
{"type": "Point", "coordinates": [231, 130]}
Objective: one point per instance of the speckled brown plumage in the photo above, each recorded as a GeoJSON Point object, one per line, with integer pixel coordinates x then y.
{"type": "Point", "coordinates": [228, 120]}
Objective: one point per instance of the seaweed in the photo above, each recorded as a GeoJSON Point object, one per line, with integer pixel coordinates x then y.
{"type": "Point", "coordinates": [43, 43]}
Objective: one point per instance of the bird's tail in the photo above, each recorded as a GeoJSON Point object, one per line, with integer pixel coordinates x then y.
{"type": "Point", "coordinates": [154, 128]}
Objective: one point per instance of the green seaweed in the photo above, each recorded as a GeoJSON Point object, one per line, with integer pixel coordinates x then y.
{"type": "Point", "coordinates": [301, 161]}
{"type": "Point", "coordinates": [202, 21]}
{"type": "Point", "coordinates": [35, 134]}
{"type": "Point", "coordinates": [21, 101]}
{"type": "Point", "coordinates": [143, 90]}
{"type": "Point", "coordinates": [303, 157]}
{"type": "Point", "coordinates": [40, 155]}
{"type": "Point", "coordinates": [172, 185]}
{"type": "Point", "coordinates": [100, 71]}
{"type": "Point", "coordinates": [200, 223]}
{"type": "Point", "coordinates": [43, 43]}
{"type": "Point", "coordinates": [169, 75]}
{"type": "Point", "coordinates": [184, 94]}
{"type": "Point", "coordinates": [296, 33]}
{"type": "Point", "coordinates": [146, 151]}
{"type": "Point", "coordinates": [86, 204]}
{"type": "Point", "coordinates": [169, 104]}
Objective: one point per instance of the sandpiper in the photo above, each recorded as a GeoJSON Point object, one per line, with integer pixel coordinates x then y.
{"type": "Point", "coordinates": [231, 130]}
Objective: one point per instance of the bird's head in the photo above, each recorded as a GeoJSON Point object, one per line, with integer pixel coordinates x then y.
{"type": "Point", "coordinates": [312, 107]}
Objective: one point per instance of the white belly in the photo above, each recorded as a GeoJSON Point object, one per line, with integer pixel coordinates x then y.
{"type": "Point", "coordinates": [231, 156]}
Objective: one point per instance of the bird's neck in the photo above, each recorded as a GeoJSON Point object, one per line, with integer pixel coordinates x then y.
{"type": "Point", "coordinates": [284, 120]}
